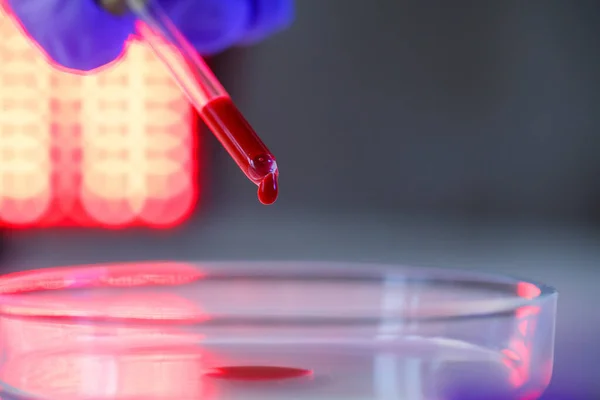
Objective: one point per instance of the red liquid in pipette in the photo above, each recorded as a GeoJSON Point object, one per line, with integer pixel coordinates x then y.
{"type": "Point", "coordinates": [249, 152]}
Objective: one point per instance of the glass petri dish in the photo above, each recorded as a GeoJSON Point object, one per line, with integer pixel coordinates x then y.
{"type": "Point", "coordinates": [273, 330]}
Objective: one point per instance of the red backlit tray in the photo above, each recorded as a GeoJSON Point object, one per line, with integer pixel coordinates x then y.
{"type": "Point", "coordinates": [112, 149]}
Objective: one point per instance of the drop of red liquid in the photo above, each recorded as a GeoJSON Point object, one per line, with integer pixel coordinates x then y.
{"type": "Point", "coordinates": [268, 189]}
{"type": "Point", "coordinates": [258, 373]}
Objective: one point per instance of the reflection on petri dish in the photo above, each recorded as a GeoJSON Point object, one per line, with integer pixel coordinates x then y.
{"type": "Point", "coordinates": [229, 331]}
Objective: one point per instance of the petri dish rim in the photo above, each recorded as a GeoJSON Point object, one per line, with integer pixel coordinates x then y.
{"type": "Point", "coordinates": [14, 304]}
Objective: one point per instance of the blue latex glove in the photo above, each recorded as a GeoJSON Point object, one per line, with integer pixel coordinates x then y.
{"type": "Point", "coordinates": [77, 34]}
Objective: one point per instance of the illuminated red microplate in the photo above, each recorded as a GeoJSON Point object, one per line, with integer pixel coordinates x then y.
{"type": "Point", "coordinates": [112, 149]}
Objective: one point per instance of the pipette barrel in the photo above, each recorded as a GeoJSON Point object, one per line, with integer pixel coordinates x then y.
{"type": "Point", "coordinates": [206, 94]}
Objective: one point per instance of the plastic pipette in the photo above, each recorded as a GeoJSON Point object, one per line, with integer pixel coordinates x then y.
{"type": "Point", "coordinates": [206, 94]}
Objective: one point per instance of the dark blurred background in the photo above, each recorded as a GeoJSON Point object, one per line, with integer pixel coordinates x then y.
{"type": "Point", "coordinates": [478, 109]}
{"type": "Point", "coordinates": [446, 133]}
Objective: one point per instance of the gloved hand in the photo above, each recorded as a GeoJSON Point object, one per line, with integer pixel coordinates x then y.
{"type": "Point", "coordinates": [78, 34]}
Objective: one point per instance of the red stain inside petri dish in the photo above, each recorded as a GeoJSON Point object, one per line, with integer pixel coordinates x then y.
{"type": "Point", "coordinates": [258, 373]}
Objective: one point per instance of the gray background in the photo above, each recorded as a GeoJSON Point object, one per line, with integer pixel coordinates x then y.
{"type": "Point", "coordinates": [471, 107]}
{"type": "Point", "coordinates": [444, 133]}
